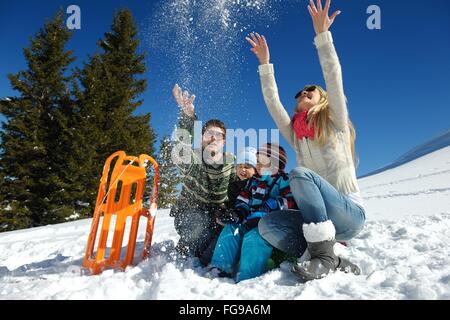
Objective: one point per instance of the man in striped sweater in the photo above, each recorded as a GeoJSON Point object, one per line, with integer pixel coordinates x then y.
{"type": "Point", "coordinates": [208, 173]}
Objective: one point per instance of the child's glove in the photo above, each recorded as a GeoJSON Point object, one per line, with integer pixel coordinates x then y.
{"type": "Point", "coordinates": [256, 215]}
{"type": "Point", "coordinates": [250, 224]}
{"type": "Point", "coordinates": [253, 219]}
{"type": "Point", "coordinates": [271, 204]}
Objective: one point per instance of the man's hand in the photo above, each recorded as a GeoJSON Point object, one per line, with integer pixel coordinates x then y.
{"type": "Point", "coordinates": [321, 21]}
{"type": "Point", "coordinates": [184, 100]}
{"type": "Point", "coordinates": [259, 47]}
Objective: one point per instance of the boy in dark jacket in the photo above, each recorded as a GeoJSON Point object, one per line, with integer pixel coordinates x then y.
{"type": "Point", "coordinates": [268, 191]}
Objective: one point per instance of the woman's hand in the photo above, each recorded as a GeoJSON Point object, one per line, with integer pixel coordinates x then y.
{"type": "Point", "coordinates": [184, 100]}
{"type": "Point", "coordinates": [321, 21]}
{"type": "Point", "coordinates": [259, 47]}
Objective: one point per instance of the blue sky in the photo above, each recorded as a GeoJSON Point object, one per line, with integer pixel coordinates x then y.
{"type": "Point", "coordinates": [397, 79]}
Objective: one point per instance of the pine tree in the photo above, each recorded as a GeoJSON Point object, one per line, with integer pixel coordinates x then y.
{"type": "Point", "coordinates": [35, 131]}
{"type": "Point", "coordinates": [169, 177]}
{"type": "Point", "coordinates": [60, 130]}
{"type": "Point", "coordinates": [112, 81]}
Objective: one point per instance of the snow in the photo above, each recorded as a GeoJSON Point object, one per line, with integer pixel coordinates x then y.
{"type": "Point", "coordinates": [82, 204]}
{"type": "Point", "coordinates": [419, 187]}
{"type": "Point", "coordinates": [403, 252]}
{"type": "Point", "coordinates": [200, 54]}
{"type": "Point", "coordinates": [73, 217]}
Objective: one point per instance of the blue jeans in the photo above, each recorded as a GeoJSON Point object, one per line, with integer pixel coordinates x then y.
{"type": "Point", "coordinates": [318, 201]}
{"type": "Point", "coordinates": [247, 246]}
{"type": "Point", "coordinates": [283, 230]}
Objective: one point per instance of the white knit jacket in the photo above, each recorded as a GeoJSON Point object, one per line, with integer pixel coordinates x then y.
{"type": "Point", "coordinates": [332, 162]}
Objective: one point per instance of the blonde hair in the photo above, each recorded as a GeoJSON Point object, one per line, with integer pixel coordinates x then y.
{"type": "Point", "coordinates": [319, 115]}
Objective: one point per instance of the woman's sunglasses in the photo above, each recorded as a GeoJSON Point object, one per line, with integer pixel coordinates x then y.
{"type": "Point", "coordinates": [307, 89]}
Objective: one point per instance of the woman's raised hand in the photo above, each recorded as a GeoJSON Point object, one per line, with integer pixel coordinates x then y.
{"type": "Point", "coordinates": [321, 21]}
{"type": "Point", "coordinates": [184, 100]}
{"type": "Point", "coordinates": [259, 47]}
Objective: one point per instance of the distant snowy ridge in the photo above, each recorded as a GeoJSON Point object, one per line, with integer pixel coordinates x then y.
{"type": "Point", "coordinates": [437, 143]}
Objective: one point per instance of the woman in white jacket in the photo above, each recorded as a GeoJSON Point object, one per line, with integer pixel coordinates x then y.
{"type": "Point", "coordinates": [324, 183]}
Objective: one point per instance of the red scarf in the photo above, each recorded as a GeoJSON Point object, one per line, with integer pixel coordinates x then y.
{"type": "Point", "coordinates": [300, 125]}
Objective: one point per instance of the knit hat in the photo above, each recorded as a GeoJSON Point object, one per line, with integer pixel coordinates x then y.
{"type": "Point", "coordinates": [247, 156]}
{"type": "Point", "coordinates": [276, 153]}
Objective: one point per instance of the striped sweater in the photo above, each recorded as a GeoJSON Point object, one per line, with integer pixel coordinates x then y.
{"type": "Point", "coordinates": [251, 203]}
{"type": "Point", "coordinates": [204, 186]}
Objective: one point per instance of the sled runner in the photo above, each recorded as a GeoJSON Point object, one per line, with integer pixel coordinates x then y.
{"type": "Point", "coordinates": [120, 195]}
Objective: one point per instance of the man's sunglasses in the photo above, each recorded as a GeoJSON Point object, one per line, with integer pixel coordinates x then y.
{"type": "Point", "coordinates": [208, 134]}
{"type": "Point", "coordinates": [307, 89]}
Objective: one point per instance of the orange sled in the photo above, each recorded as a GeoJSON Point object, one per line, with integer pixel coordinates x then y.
{"type": "Point", "coordinates": [121, 196]}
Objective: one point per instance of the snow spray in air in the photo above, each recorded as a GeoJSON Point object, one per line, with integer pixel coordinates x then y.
{"type": "Point", "coordinates": [204, 41]}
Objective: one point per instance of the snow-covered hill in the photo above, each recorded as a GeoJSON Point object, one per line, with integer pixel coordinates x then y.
{"type": "Point", "coordinates": [437, 143]}
{"type": "Point", "coordinates": [419, 187]}
{"type": "Point", "coordinates": [403, 252]}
